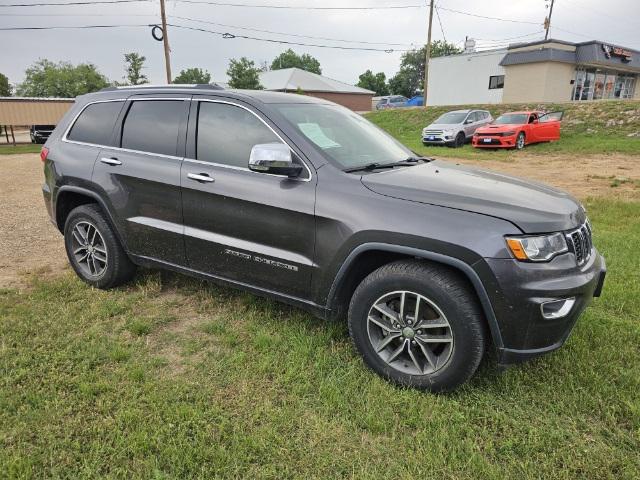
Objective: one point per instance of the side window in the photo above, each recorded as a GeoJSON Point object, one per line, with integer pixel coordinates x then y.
{"type": "Point", "coordinates": [152, 126]}
{"type": "Point", "coordinates": [473, 117]}
{"type": "Point", "coordinates": [226, 134]}
{"type": "Point", "coordinates": [532, 117]}
{"type": "Point", "coordinates": [95, 123]}
{"type": "Point", "coordinates": [496, 81]}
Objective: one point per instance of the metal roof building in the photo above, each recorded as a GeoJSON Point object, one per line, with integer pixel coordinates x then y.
{"type": "Point", "coordinates": [294, 80]}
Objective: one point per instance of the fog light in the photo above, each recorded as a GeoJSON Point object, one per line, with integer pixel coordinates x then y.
{"type": "Point", "coordinates": [557, 308]}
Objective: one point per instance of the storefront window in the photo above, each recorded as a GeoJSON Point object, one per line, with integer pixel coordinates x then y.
{"type": "Point", "coordinates": [592, 84]}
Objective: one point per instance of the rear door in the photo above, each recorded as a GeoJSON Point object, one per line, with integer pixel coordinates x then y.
{"type": "Point", "coordinates": [549, 125]}
{"type": "Point", "coordinates": [140, 176]}
{"type": "Point", "coordinates": [240, 225]}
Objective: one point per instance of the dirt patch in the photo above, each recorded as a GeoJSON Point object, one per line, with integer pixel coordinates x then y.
{"type": "Point", "coordinates": [584, 176]}
{"type": "Point", "coordinates": [31, 246]}
{"type": "Point", "coordinates": [29, 242]}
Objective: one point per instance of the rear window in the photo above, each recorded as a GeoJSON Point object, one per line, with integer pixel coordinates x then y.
{"type": "Point", "coordinates": [95, 123]}
{"type": "Point", "coordinates": [152, 126]}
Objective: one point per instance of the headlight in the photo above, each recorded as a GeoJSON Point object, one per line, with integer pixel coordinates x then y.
{"type": "Point", "coordinates": [448, 133]}
{"type": "Point", "coordinates": [539, 248]}
{"type": "Point", "coordinates": [508, 134]}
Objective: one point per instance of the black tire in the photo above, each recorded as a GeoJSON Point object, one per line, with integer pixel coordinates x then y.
{"type": "Point", "coordinates": [520, 141]}
{"type": "Point", "coordinates": [458, 141]}
{"type": "Point", "coordinates": [451, 294]}
{"type": "Point", "coordinates": [117, 269]}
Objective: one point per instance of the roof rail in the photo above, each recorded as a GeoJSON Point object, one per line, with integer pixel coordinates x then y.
{"type": "Point", "coordinates": [205, 86]}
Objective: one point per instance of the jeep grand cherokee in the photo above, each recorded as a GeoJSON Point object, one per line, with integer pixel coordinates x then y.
{"type": "Point", "coordinates": [302, 200]}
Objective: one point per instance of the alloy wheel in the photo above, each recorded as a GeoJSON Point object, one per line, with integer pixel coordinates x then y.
{"type": "Point", "coordinates": [410, 333]}
{"type": "Point", "coordinates": [520, 142]}
{"type": "Point", "coordinates": [89, 249]}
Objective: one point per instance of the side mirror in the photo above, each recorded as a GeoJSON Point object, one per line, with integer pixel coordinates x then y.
{"type": "Point", "coordinates": [273, 158]}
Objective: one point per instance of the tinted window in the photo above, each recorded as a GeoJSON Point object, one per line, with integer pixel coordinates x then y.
{"type": "Point", "coordinates": [226, 134]}
{"type": "Point", "coordinates": [152, 126]}
{"type": "Point", "coordinates": [95, 123]}
{"type": "Point", "coordinates": [511, 118]}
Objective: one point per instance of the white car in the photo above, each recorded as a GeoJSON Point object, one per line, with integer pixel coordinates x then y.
{"type": "Point", "coordinates": [455, 128]}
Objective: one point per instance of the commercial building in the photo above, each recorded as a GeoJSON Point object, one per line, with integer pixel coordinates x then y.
{"type": "Point", "coordinates": [542, 71]}
{"type": "Point", "coordinates": [293, 80]}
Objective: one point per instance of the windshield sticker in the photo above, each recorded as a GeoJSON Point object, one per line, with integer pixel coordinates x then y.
{"type": "Point", "coordinates": [314, 133]}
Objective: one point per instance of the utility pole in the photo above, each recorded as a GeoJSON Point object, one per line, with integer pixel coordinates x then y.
{"type": "Point", "coordinates": [428, 54]}
{"type": "Point", "coordinates": [165, 41]}
{"type": "Point", "coordinates": [547, 21]}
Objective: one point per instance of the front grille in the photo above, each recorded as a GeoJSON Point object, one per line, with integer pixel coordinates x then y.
{"type": "Point", "coordinates": [432, 132]}
{"type": "Point", "coordinates": [580, 242]}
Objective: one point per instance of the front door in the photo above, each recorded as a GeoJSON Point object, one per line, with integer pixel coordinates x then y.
{"type": "Point", "coordinates": [549, 126]}
{"type": "Point", "coordinates": [240, 225]}
{"type": "Point", "coordinates": [140, 177]}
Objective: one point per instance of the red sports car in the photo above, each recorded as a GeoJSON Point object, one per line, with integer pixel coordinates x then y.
{"type": "Point", "coordinates": [517, 129]}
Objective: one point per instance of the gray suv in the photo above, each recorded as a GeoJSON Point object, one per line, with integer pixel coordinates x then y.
{"type": "Point", "coordinates": [298, 199]}
{"type": "Point", "coordinates": [455, 128]}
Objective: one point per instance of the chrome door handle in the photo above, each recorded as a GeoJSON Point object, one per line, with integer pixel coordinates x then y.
{"type": "Point", "coordinates": [200, 177]}
{"type": "Point", "coordinates": [111, 161]}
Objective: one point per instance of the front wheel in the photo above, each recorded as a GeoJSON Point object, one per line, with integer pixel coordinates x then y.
{"type": "Point", "coordinates": [520, 141]}
{"type": "Point", "coordinates": [418, 325]}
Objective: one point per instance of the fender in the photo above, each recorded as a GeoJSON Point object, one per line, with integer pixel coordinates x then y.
{"type": "Point", "coordinates": [98, 199]}
{"type": "Point", "coordinates": [456, 263]}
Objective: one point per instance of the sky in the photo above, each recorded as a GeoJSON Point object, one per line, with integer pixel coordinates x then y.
{"type": "Point", "coordinates": [614, 21]}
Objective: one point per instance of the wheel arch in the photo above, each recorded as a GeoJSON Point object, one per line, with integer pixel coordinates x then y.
{"type": "Point", "coordinates": [359, 263]}
{"type": "Point", "coordinates": [69, 197]}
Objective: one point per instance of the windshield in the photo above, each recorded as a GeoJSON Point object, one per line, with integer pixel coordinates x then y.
{"type": "Point", "coordinates": [451, 117]}
{"type": "Point", "coordinates": [343, 136]}
{"type": "Point", "coordinates": [518, 118]}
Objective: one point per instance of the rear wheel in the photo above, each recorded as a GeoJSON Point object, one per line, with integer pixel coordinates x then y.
{"type": "Point", "coordinates": [94, 250]}
{"type": "Point", "coordinates": [520, 141]}
{"type": "Point", "coordinates": [418, 325]}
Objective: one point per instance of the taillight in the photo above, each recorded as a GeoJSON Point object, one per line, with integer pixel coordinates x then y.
{"type": "Point", "coordinates": [43, 154]}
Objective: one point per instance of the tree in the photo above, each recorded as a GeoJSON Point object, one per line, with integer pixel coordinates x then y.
{"type": "Point", "coordinates": [243, 74]}
{"type": "Point", "coordinates": [410, 77]}
{"type": "Point", "coordinates": [134, 63]}
{"type": "Point", "coordinates": [376, 82]}
{"type": "Point", "coordinates": [290, 59]}
{"type": "Point", "coordinates": [193, 76]}
{"type": "Point", "coordinates": [49, 79]}
{"type": "Point", "coordinates": [5, 86]}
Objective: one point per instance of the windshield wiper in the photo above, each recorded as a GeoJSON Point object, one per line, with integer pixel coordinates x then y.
{"type": "Point", "coordinates": [370, 166]}
{"type": "Point", "coordinates": [407, 162]}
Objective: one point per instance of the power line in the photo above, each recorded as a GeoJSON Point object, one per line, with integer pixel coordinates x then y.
{"type": "Point", "coordinates": [483, 16]}
{"type": "Point", "coordinates": [300, 7]}
{"type": "Point", "coordinates": [51, 4]}
{"type": "Point", "coordinates": [69, 27]}
{"type": "Point", "coordinates": [227, 35]}
{"type": "Point", "coordinates": [440, 22]}
{"type": "Point", "coordinates": [293, 34]}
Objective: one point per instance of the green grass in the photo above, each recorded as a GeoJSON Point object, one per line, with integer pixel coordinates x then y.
{"type": "Point", "coordinates": [171, 377]}
{"type": "Point", "coordinates": [590, 128]}
{"type": "Point", "coordinates": [20, 148]}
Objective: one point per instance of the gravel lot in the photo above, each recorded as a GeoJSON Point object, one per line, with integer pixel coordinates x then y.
{"type": "Point", "coordinates": [31, 246]}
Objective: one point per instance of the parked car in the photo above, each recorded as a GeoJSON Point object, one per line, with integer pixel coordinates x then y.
{"type": "Point", "coordinates": [415, 101]}
{"type": "Point", "coordinates": [393, 101]}
{"type": "Point", "coordinates": [40, 133]}
{"type": "Point", "coordinates": [304, 201]}
{"type": "Point", "coordinates": [517, 129]}
{"type": "Point", "coordinates": [455, 128]}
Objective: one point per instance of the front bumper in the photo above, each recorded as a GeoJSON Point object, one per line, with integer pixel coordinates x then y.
{"type": "Point", "coordinates": [438, 139]}
{"type": "Point", "coordinates": [493, 141]}
{"type": "Point", "coordinates": [521, 288]}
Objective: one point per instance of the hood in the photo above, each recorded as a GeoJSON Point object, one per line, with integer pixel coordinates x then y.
{"type": "Point", "coordinates": [503, 127]}
{"type": "Point", "coordinates": [531, 206]}
{"type": "Point", "coordinates": [442, 126]}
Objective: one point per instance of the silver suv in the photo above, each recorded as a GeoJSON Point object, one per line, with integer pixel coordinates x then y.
{"type": "Point", "coordinates": [455, 128]}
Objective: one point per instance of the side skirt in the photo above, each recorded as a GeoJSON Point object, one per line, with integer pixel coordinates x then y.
{"type": "Point", "coordinates": [311, 307]}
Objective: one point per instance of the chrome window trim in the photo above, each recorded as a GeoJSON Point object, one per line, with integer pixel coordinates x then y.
{"type": "Point", "coordinates": [246, 169]}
